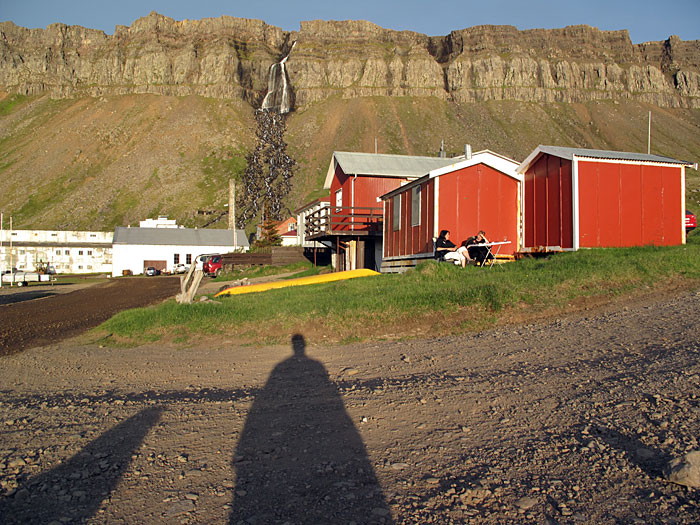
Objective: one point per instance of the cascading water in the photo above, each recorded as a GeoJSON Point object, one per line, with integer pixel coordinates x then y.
{"type": "Point", "coordinates": [267, 178]}
{"type": "Point", "coordinates": [278, 93]}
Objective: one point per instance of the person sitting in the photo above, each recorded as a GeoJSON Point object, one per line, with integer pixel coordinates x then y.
{"type": "Point", "coordinates": [479, 253]}
{"type": "Point", "coordinates": [446, 250]}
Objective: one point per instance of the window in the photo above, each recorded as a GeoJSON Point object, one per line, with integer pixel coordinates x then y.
{"type": "Point", "coordinates": [80, 267]}
{"type": "Point", "coordinates": [396, 212]}
{"type": "Point", "coordinates": [66, 252]}
{"type": "Point", "coordinates": [89, 267]}
{"type": "Point", "coordinates": [415, 206]}
{"type": "Point", "coordinates": [338, 200]}
{"type": "Point", "coordinates": [54, 235]}
{"type": "Point", "coordinates": [93, 235]}
{"type": "Point", "coordinates": [21, 252]}
{"type": "Point", "coordinates": [80, 252]}
{"type": "Point", "coordinates": [89, 252]}
{"type": "Point", "coordinates": [188, 258]}
{"type": "Point", "coordinates": [176, 258]}
{"type": "Point", "coordinates": [58, 252]}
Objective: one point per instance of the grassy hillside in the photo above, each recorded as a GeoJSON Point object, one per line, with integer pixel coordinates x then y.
{"type": "Point", "coordinates": [98, 163]}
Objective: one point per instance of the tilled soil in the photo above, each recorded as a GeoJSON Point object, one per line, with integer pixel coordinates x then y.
{"type": "Point", "coordinates": [42, 314]}
{"type": "Point", "coordinates": [565, 421]}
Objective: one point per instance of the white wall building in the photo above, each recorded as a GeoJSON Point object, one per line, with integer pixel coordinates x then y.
{"type": "Point", "coordinates": [134, 249]}
{"type": "Point", "coordinates": [63, 251]}
{"type": "Point", "coordinates": [317, 206]}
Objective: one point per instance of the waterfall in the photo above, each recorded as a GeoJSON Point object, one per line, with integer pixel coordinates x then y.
{"type": "Point", "coordinates": [278, 94]}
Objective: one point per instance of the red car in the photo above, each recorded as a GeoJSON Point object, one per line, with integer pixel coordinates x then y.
{"type": "Point", "coordinates": [691, 222]}
{"type": "Point", "coordinates": [212, 266]}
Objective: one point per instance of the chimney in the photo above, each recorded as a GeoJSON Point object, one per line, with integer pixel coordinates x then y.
{"type": "Point", "coordinates": [467, 151]}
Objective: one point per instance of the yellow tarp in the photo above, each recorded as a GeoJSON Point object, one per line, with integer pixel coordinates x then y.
{"type": "Point", "coordinates": [301, 281]}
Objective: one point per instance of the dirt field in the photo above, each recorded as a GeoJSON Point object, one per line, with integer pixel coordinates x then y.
{"type": "Point", "coordinates": [566, 421]}
{"type": "Point", "coordinates": [42, 314]}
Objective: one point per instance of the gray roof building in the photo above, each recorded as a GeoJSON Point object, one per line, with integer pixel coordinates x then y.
{"type": "Point", "coordinates": [570, 153]}
{"type": "Point", "coordinates": [179, 237]}
{"type": "Point", "coordinates": [383, 165]}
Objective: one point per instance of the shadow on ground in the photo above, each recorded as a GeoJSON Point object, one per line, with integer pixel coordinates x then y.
{"type": "Point", "coordinates": [300, 458]}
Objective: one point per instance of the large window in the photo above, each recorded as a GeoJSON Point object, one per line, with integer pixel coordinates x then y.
{"type": "Point", "coordinates": [176, 258]}
{"type": "Point", "coordinates": [188, 258]}
{"type": "Point", "coordinates": [396, 212]}
{"type": "Point", "coordinates": [415, 206]}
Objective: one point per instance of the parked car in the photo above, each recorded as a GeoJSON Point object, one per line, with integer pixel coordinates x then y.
{"type": "Point", "coordinates": [181, 268]}
{"type": "Point", "coordinates": [691, 222]}
{"type": "Point", "coordinates": [151, 271]}
{"type": "Point", "coordinates": [212, 265]}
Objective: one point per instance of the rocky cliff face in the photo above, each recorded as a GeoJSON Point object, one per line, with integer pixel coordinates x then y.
{"type": "Point", "coordinates": [230, 58]}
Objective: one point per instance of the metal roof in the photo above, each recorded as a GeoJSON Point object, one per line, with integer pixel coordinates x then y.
{"type": "Point", "coordinates": [383, 165]}
{"type": "Point", "coordinates": [570, 153]}
{"type": "Point", "coordinates": [178, 237]}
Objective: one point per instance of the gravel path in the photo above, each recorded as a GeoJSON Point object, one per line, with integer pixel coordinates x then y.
{"type": "Point", "coordinates": [567, 421]}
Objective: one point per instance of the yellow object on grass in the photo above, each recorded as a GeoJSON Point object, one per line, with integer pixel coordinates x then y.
{"type": "Point", "coordinates": [301, 281]}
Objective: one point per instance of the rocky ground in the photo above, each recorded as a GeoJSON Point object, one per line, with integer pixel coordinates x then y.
{"type": "Point", "coordinates": [571, 420]}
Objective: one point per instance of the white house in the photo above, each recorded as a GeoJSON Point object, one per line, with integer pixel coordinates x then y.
{"type": "Point", "coordinates": [62, 251]}
{"type": "Point", "coordinates": [134, 249]}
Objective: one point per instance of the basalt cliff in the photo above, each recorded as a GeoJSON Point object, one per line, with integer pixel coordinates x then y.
{"type": "Point", "coordinates": [230, 58]}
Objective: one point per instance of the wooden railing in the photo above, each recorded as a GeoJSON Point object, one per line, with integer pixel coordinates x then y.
{"type": "Point", "coordinates": [330, 219]}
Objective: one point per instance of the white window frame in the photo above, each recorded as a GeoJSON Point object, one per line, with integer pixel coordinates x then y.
{"type": "Point", "coordinates": [396, 212]}
{"type": "Point", "coordinates": [415, 205]}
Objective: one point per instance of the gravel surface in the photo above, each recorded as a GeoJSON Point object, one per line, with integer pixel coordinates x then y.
{"type": "Point", "coordinates": [566, 421]}
{"type": "Point", "coordinates": [42, 314]}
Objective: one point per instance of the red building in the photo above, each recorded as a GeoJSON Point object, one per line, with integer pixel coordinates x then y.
{"type": "Point", "coordinates": [477, 192]}
{"type": "Point", "coordinates": [352, 224]}
{"type": "Point", "coordinates": [580, 198]}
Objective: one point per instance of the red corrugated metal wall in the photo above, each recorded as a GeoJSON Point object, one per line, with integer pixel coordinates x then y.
{"type": "Point", "coordinates": [479, 198]}
{"type": "Point", "coordinates": [409, 239]}
{"type": "Point", "coordinates": [548, 210]}
{"type": "Point", "coordinates": [624, 204]}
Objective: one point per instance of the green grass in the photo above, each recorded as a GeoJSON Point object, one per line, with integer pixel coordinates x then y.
{"type": "Point", "coordinates": [435, 297]}
{"type": "Point", "coordinates": [304, 267]}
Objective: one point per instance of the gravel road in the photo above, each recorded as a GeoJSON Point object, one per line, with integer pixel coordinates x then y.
{"type": "Point", "coordinates": [565, 421]}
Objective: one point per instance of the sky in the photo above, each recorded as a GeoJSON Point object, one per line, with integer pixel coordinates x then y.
{"type": "Point", "coordinates": [646, 20]}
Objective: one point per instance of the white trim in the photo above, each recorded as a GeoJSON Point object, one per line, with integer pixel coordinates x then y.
{"type": "Point", "coordinates": [385, 226]}
{"type": "Point", "coordinates": [622, 161]}
{"type": "Point", "coordinates": [436, 207]}
{"type": "Point", "coordinates": [575, 204]}
{"type": "Point", "coordinates": [505, 166]}
{"type": "Point", "coordinates": [683, 204]}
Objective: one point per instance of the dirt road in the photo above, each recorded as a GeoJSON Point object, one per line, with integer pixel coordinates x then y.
{"type": "Point", "coordinates": [568, 421]}
{"type": "Point", "coordinates": [44, 314]}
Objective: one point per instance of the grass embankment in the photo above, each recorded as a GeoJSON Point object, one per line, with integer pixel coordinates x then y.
{"type": "Point", "coordinates": [300, 269]}
{"type": "Point", "coordinates": [435, 298]}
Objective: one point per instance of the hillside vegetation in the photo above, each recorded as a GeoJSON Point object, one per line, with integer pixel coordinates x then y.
{"type": "Point", "coordinates": [96, 163]}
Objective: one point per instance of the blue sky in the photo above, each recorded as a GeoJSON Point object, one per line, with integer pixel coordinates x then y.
{"type": "Point", "coordinates": [645, 19]}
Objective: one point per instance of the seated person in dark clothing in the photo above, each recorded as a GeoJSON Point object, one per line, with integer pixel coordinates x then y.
{"type": "Point", "coordinates": [446, 249]}
{"type": "Point", "coordinates": [478, 253]}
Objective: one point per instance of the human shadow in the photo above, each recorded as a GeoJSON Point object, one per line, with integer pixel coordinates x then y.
{"type": "Point", "coordinates": [74, 490]}
{"type": "Point", "coordinates": [300, 458]}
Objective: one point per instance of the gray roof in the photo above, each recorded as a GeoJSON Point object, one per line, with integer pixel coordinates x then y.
{"type": "Point", "coordinates": [569, 153]}
{"type": "Point", "coordinates": [383, 165]}
{"type": "Point", "coordinates": [178, 237]}
{"type": "Point", "coordinates": [388, 165]}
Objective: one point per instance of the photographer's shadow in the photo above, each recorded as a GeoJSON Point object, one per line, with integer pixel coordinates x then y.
{"type": "Point", "coordinates": [300, 459]}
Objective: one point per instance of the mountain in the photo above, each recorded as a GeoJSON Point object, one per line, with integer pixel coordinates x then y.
{"type": "Point", "coordinates": [101, 130]}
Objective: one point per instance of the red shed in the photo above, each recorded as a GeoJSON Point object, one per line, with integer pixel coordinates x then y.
{"type": "Point", "coordinates": [581, 198]}
{"type": "Point", "coordinates": [352, 224]}
{"type": "Point", "coordinates": [481, 192]}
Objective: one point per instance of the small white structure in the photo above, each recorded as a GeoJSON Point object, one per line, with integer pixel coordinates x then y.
{"type": "Point", "coordinates": [135, 249]}
{"type": "Point", "coordinates": [319, 205]}
{"type": "Point", "coordinates": [161, 222]}
{"type": "Point", "coordinates": [62, 251]}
